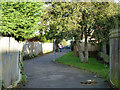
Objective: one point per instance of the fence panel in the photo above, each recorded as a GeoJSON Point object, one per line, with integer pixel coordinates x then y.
{"type": "Point", "coordinates": [114, 57]}
{"type": "Point", "coordinates": [9, 58]}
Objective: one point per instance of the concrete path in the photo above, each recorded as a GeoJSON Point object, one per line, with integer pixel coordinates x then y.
{"type": "Point", "coordinates": [43, 73]}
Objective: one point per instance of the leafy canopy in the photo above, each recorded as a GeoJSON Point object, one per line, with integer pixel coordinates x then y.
{"type": "Point", "coordinates": [20, 19]}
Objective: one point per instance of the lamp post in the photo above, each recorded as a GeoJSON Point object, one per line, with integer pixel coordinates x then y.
{"type": "Point", "coordinates": [54, 50]}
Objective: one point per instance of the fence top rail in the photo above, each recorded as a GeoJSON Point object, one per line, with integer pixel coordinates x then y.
{"type": "Point", "coordinates": [115, 33]}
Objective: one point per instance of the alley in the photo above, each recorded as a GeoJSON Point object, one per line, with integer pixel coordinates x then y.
{"type": "Point", "coordinates": [42, 72]}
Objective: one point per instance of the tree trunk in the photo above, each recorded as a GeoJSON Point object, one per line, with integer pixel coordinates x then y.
{"type": "Point", "coordinates": [56, 43]}
{"type": "Point", "coordinates": [86, 47]}
{"type": "Point", "coordinates": [75, 51]}
{"type": "Point", "coordinates": [80, 51]}
{"type": "Point", "coordinates": [104, 53]}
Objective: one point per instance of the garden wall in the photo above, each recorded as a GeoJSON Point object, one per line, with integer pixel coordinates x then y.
{"type": "Point", "coordinates": [47, 47]}
{"type": "Point", "coordinates": [9, 59]}
{"type": "Point", "coordinates": [35, 48]}
{"type": "Point", "coordinates": [92, 49]}
{"type": "Point", "coordinates": [115, 57]}
{"type": "Point", "coordinates": [31, 48]}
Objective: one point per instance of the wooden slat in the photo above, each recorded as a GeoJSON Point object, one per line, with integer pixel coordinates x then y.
{"type": "Point", "coordinates": [119, 64]}
{"type": "Point", "coordinates": [115, 33]}
{"type": "Point", "coordinates": [115, 60]}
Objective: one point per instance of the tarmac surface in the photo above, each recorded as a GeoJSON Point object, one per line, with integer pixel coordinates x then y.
{"type": "Point", "coordinates": [42, 72]}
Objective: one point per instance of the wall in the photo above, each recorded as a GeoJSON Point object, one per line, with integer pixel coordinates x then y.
{"type": "Point", "coordinates": [90, 47]}
{"type": "Point", "coordinates": [92, 50]}
{"type": "Point", "coordinates": [35, 48]}
{"type": "Point", "coordinates": [47, 47]}
{"type": "Point", "coordinates": [9, 58]}
{"type": "Point", "coordinates": [115, 57]}
{"type": "Point", "coordinates": [30, 48]}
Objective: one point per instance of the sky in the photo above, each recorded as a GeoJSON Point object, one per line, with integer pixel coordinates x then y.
{"type": "Point", "coordinates": [117, 1]}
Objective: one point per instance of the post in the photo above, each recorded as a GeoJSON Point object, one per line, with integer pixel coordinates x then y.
{"type": "Point", "coordinates": [110, 42]}
{"type": "Point", "coordinates": [119, 61]}
{"type": "Point", "coordinates": [114, 57]}
{"type": "Point", "coordinates": [54, 50]}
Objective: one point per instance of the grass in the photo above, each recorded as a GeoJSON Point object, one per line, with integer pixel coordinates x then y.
{"type": "Point", "coordinates": [93, 65]}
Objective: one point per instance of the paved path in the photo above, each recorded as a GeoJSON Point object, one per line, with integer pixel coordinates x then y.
{"type": "Point", "coordinates": [43, 73]}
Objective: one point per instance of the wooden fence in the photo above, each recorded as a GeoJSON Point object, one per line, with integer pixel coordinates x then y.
{"type": "Point", "coordinates": [9, 62]}
{"type": "Point", "coordinates": [10, 58]}
{"type": "Point", "coordinates": [115, 57]}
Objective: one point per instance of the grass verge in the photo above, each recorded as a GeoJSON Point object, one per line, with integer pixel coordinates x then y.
{"type": "Point", "coordinates": [93, 65]}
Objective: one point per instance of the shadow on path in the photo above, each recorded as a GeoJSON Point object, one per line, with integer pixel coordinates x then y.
{"type": "Point", "coordinates": [43, 73]}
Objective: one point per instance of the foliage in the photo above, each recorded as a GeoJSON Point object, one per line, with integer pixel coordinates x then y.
{"type": "Point", "coordinates": [80, 20]}
{"type": "Point", "coordinates": [24, 78]}
{"type": "Point", "coordinates": [2, 85]}
{"type": "Point", "coordinates": [107, 17]}
{"type": "Point", "coordinates": [63, 42]}
{"type": "Point", "coordinates": [25, 57]}
{"type": "Point", "coordinates": [102, 55]}
{"type": "Point", "coordinates": [64, 18]}
{"type": "Point", "coordinates": [93, 65]}
{"type": "Point", "coordinates": [68, 20]}
{"type": "Point", "coordinates": [56, 22]}
{"type": "Point", "coordinates": [72, 19]}
{"type": "Point", "coordinates": [20, 19]}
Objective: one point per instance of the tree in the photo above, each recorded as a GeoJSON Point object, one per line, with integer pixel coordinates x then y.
{"type": "Point", "coordinates": [64, 42]}
{"type": "Point", "coordinates": [68, 19]}
{"type": "Point", "coordinates": [53, 24]}
{"type": "Point", "coordinates": [106, 18]}
{"type": "Point", "coordinates": [20, 19]}
{"type": "Point", "coordinates": [76, 20]}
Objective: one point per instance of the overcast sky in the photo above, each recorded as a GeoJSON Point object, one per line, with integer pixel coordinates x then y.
{"type": "Point", "coordinates": [116, 1]}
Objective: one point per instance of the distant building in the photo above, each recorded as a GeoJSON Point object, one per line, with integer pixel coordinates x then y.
{"type": "Point", "coordinates": [69, 42]}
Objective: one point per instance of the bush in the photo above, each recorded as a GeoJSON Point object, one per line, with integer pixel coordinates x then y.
{"type": "Point", "coordinates": [102, 55]}
{"type": "Point", "coordinates": [29, 56]}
